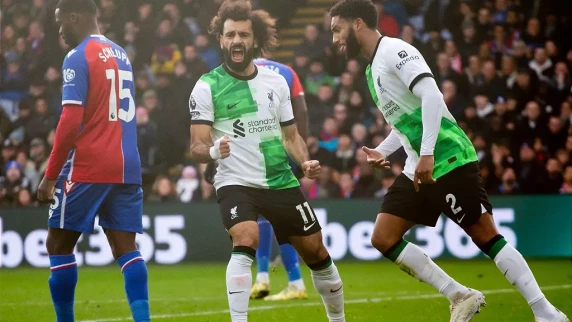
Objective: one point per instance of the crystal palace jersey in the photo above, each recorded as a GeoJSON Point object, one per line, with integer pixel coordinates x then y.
{"type": "Point", "coordinates": [250, 111]}
{"type": "Point", "coordinates": [97, 75]}
{"type": "Point", "coordinates": [396, 67]}
{"type": "Point", "coordinates": [287, 72]}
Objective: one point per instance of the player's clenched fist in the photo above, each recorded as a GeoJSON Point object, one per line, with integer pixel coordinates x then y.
{"type": "Point", "coordinates": [46, 190]}
{"type": "Point", "coordinates": [220, 149]}
{"type": "Point", "coordinates": [311, 169]}
{"type": "Point", "coordinates": [224, 147]}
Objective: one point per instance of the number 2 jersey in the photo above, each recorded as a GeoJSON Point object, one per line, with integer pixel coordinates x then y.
{"type": "Point", "coordinates": [97, 75]}
{"type": "Point", "coordinates": [393, 72]}
{"type": "Point", "coordinates": [250, 111]}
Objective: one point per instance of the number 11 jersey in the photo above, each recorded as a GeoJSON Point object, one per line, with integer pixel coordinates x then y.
{"type": "Point", "coordinates": [97, 75]}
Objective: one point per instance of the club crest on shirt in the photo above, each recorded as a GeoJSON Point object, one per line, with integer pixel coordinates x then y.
{"type": "Point", "coordinates": [271, 98]}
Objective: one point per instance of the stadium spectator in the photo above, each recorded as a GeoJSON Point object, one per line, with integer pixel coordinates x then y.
{"type": "Point", "coordinates": [188, 185]}
{"type": "Point", "coordinates": [554, 179]}
{"type": "Point", "coordinates": [387, 24]}
{"type": "Point", "coordinates": [163, 190]}
{"type": "Point", "coordinates": [312, 46]}
{"type": "Point", "coordinates": [12, 183]}
{"type": "Point", "coordinates": [208, 54]}
{"type": "Point", "coordinates": [504, 70]}
{"type": "Point", "coordinates": [509, 184]}
{"type": "Point", "coordinates": [567, 185]}
{"type": "Point", "coordinates": [347, 185]}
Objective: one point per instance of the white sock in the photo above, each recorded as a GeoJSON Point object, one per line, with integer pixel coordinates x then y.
{"type": "Point", "coordinates": [299, 284]}
{"type": "Point", "coordinates": [263, 278]}
{"type": "Point", "coordinates": [238, 284]}
{"type": "Point", "coordinates": [328, 283]}
{"type": "Point", "coordinates": [416, 263]}
{"type": "Point", "coordinates": [516, 270]}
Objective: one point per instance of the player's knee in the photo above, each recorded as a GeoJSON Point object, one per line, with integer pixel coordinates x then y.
{"type": "Point", "coordinates": [247, 240]}
{"type": "Point", "coordinates": [383, 242]}
{"type": "Point", "coordinates": [483, 230]}
{"type": "Point", "coordinates": [120, 243]}
{"type": "Point", "coordinates": [316, 254]}
{"type": "Point", "coordinates": [61, 242]}
{"type": "Point", "coordinates": [245, 234]}
{"type": "Point", "coordinates": [56, 246]}
{"type": "Point", "coordinates": [311, 248]}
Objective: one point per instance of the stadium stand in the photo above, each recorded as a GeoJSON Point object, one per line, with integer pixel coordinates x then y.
{"type": "Point", "coordinates": [503, 67]}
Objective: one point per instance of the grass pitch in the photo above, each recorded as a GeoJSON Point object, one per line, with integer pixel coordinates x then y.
{"type": "Point", "coordinates": [374, 291]}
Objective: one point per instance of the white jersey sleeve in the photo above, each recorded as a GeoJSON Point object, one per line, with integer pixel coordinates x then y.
{"type": "Point", "coordinates": [201, 105]}
{"type": "Point", "coordinates": [286, 112]}
{"type": "Point", "coordinates": [389, 145]}
{"type": "Point", "coordinates": [407, 63]}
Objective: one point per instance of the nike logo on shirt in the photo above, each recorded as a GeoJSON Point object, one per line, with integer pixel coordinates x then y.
{"type": "Point", "coordinates": [231, 106]}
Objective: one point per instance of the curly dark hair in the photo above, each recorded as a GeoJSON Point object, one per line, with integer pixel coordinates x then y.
{"type": "Point", "coordinates": [353, 9]}
{"type": "Point", "coordinates": [263, 25]}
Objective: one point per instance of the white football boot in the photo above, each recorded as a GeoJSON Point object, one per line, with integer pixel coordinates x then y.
{"type": "Point", "coordinates": [466, 306]}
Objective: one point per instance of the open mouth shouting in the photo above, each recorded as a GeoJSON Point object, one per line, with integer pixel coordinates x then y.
{"type": "Point", "coordinates": [237, 54]}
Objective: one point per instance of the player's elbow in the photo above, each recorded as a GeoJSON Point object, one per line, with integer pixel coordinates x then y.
{"type": "Point", "coordinates": [194, 153]}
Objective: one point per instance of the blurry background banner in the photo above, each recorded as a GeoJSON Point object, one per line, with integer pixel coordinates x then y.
{"type": "Point", "coordinates": [538, 226]}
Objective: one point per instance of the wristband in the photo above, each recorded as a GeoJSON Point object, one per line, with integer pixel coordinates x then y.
{"type": "Point", "coordinates": [214, 151]}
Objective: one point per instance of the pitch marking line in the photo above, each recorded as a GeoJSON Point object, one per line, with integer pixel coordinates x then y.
{"type": "Point", "coordinates": [353, 301]}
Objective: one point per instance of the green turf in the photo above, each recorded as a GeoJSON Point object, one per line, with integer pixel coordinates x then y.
{"type": "Point", "coordinates": [375, 291]}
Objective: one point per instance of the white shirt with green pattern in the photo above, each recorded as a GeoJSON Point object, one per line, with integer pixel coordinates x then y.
{"type": "Point", "coordinates": [395, 69]}
{"type": "Point", "coordinates": [250, 111]}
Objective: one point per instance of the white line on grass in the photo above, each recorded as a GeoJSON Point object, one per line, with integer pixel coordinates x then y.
{"type": "Point", "coordinates": [121, 300]}
{"type": "Point", "coordinates": [352, 301]}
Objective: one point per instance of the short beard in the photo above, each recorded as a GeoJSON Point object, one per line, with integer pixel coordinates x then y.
{"type": "Point", "coordinates": [238, 67]}
{"type": "Point", "coordinates": [352, 45]}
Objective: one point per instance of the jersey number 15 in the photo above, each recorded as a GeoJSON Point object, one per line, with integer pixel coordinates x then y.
{"type": "Point", "coordinates": [115, 112]}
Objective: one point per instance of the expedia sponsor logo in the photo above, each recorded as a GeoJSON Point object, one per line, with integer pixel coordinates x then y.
{"type": "Point", "coordinates": [389, 108]}
{"type": "Point", "coordinates": [405, 61]}
{"type": "Point", "coordinates": [259, 126]}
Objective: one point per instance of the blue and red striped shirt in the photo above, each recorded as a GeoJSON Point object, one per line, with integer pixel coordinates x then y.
{"type": "Point", "coordinates": [98, 79]}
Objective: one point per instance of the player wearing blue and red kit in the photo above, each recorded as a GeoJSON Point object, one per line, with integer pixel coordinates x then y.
{"type": "Point", "coordinates": [94, 167]}
{"type": "Point", "coordinates": [296, 288]}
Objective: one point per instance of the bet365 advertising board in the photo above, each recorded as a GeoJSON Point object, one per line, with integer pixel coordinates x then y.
{"type": "Point", "coordinates": [539, 226]}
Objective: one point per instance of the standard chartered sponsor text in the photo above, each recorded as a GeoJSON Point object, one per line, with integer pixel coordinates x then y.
{"type": "Point", "coordinates": [258, 126]}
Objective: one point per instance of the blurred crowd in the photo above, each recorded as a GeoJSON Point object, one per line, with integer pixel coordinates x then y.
{"type": "Point", "coordinates": [503, 67]}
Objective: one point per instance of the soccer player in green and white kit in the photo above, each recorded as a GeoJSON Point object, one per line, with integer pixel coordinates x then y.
{"type": "Point", "coordinates": [242, 116]}
{"type": "Point", "coordinates": [441, 172]}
